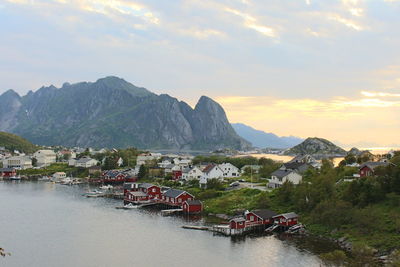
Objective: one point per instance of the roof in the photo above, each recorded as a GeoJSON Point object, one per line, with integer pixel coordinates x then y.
{"type": "Point", "coordinates": [209, 167]}
{"type": "Point", "coordinates": [281, 173]}
{"type": "Point", "coordinates": [194, 202]}
{"type": "Point", "coordinates": [138, 193]}
{"type": "Point", "coordinates": [264, 213]}
{"type": "Point", "coordinates": [129, 185]}
{"type": "Point", "coordinates": [238, 219]}
{"type": "Point", "coordinates": [289, 215]}
{"type": "Point", "coordinates": [146, 185]}
{"type": "Point", "coordinates": [7, 169]}
{"type": "Point", "coordinates": [83, 160]}
{"type": "Point", "coordinates": [294, 165]}
{"type": "Point", "coordinates": [373, 164]}
{"type": "Point", "coordinates": [95, 167]}
{"type": "Point", "coordinates": [174, 193]}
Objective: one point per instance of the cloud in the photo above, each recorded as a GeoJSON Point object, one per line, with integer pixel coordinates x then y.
{"type": "Point", "coordinates": [252, 23]}
{"type": "Point", "coordinates": [347, 22]}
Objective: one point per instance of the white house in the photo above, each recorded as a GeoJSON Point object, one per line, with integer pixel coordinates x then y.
{"type": "Point", "coordinates": [279, 177]}
{"type": "Point", "coordinates": [59, 176]}
{"type": "Point", "coordinates": [86, 162]}
{"type": "Point", "coordinates": [120, 162]}
{"type": "Point", "coordinates": [212, 171]}
{"type": "Point", "coordinates": [18, 162]}
{"type": "Point", "coordinates": [229, 170]}
{"type": "Point", "coordinates": [44, 157]}
{"type": "Point", "coordinates": [191, 174]}
{"type": "Point", "coordinates": [142, 158]}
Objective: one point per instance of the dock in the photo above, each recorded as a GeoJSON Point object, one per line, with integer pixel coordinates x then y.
{"type": "Point", "coordinates": [170, 211]}
{"type": "Point", "coordinates": [196, 227]}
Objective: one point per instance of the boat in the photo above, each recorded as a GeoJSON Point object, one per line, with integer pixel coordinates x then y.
{"type": "Point", "coordinates": [44, 178]}
{"type": "Point", "coordinates": [128, 207]}
{"type": "Point", "coordinates": [15, 178]}
{"type": "Point", "coordinates": [67, 181]}
{"type": "Point", "coordinates": [106, 187]}
{"type": "Point", "coordinates": [295, 228]}
{"type": "Point", "coordinates": [94, 193]}
{"type": "Point", "coordinates": [271, 228]}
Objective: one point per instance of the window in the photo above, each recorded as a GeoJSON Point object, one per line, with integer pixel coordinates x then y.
{"type": "Point", "coordinates": [179, 200]}
{"type": "Point", "coordinates": [251, 218]}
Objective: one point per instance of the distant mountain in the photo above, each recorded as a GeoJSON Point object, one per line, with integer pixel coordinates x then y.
{"type": "Point", "coordinates": [13, 142]}
{"type": "Point", "coordinates": [114, 113]}
{"type": "Point", "coordinates": [316, 146]}
{"type": "Point", "coordinates": [262, 139]}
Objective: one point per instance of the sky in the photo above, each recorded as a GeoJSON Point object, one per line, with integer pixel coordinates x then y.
{"type": "Point", "coordinates": [292, 67]}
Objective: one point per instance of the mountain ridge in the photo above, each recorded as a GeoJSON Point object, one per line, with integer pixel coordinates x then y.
{"type": "Point", "coordinates": [316, 146]}
{"type": "Point", "coordinates": [114, 113]}
{"type": "Point", "coordinates": [263, 139]}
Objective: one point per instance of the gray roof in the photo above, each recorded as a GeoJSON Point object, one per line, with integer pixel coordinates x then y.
{"type": "Point", "coordinates": [138, 194]}
{"type": "Point", "coordinates": [373, 164]}
{"type": "Point", "coordinates": [238, 219]}
{"type": "Point", "coordinates": [83, 160]}
{"type": "Point", "coordinates": [281, 173]}
{"type": "Point", "coordinates": [289, 215]}
{"type": "Point", "coordinates": [296, 166]}
{"type": "Point", "coordinates": [174, 193]}
{"type": "Point", "coordinates": [194, 202]}
{"type": "Point", "coordinates": [264, 214]}
{"type": "Point", "coordinates": [146, 185]}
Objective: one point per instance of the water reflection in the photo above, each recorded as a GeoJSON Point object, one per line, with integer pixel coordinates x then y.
{"type": "Point", "coordinates": [53, 225]}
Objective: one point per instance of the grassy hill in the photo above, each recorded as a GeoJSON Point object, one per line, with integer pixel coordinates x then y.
{"type": "Point", "coordinates": [14, 142]}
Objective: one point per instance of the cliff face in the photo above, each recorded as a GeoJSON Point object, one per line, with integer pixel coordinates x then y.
{"type": "Point", "coordinates": [114, 113]}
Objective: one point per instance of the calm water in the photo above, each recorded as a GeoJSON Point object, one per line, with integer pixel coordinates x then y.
{"type": "Point", "coordinates": [43, 224]}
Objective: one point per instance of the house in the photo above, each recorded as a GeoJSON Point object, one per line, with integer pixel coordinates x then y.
{"type": "Point", "coordinates": [177, 175]}
{"type": "Point", "coordinates": [252, 168]}
{"type": "Point", "coordinates": [229, 170]}
{"type": "Point", "coordinates": [299, 167]}
{"type": "Point", "coordinates": [86, 162]}
{"type": "Point", "coordinates": [59, 176]}
{"type": "Point", "coordinates": [262, 216]}
{"type": "Point", "coordinates": [212, 171]}
{"type": "Point", "coordinates": [303, 158]}
{"type": "Point", "coordinates": [18, 162]}
{"type": "Point", "coordinates": [367, 168]}
{"type": "Point", "coordinates": [44, 157]}
{"type": "Point", "coordinates": [165, 162]}
{"type": "Point", "coordinates": [66, 154]}
{"type": "Point", "coordinates": [7, 172]}
{"type": "Point", "coordinates": [191, 174]}
{"type": "Point", "coordinates": [286, 219]}
{"type": "Point", "coordinates": [176, 197]}
{"type": "Point", "coordinates": [153, 191]}
{"type": "Point", "coordinates": [136, 197]}
{"type": "Point", "coordinates": [120, 162]}
{"type": "Point", "coordinates": [94, 170]}
{"type": "Point", "coordinates": [192, 206]}
{"type": "Point", "coordinates": [279, 177]}
{"type": "Point", "coordinates": [237, 223]}
{"type": "Point", "coordinates": [143, 158]}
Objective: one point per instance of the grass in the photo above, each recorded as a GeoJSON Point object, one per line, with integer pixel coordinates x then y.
{"type": "Point", "coordinates": [56, 167]}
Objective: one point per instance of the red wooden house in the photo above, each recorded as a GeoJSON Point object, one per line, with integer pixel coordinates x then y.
{"type": "Point", "coordinates": [367, 168]}
{"type": "Point", "coordinates": [237, 223]}
{"type": "Point", "coordinates": [7, 172]}
{"type": "Point", "coordinates": [192, 206]}
{"type": "Point", "coordinates": [177, 175]}
{"type": "Point", "coordinates": [176, 197]}
{"type": "Point", "coordinates": [136, 197]}
{"type": "Point", "coordinates": [286, 219]}
{"type": "Point", "coordinates": [153, 191]}
{"type": "Point", "coordinates": [258, 217]}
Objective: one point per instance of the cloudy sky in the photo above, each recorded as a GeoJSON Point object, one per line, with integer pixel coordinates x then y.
{"type": "Point", "coordinates": [291, 67]}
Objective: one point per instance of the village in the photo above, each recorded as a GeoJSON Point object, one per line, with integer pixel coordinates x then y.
{"type": "Point", "coordinates": [172, 172]}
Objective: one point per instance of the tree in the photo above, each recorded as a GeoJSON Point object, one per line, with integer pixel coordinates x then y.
{"type": "Point", "coordinates": [215, 184]}
{"type": "Point", "coordinates": [335, 258]}
{"type": "Point", "coordinates": [143, 172]}
{"type": "Point", "coordinates": [34, 162]}
{"type": "Point", "coordinates": [262, 201]}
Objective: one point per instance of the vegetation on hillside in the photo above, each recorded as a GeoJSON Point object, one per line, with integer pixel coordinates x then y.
{"type": "Point", "coordinates": [14, 142]}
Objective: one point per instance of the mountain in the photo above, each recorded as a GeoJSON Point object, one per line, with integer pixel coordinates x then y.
{"type": "Point", "coordinates": [262, 139]}
{"type": "Point", "coordinates": [14, 142]}
{"type": "Point", "coordinates": [316, 146]}
{"type": "Point", "coordinates": [114, 113]}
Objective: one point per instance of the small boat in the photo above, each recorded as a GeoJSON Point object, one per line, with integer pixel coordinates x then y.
{"type": "Point", "coordinates": [44, 178]}
{"type": "Point", "coordinates": [15, 178]}
{"type": "Point", "coordinates": [106, 187]}
{"type": "Point", "coordinates": [128, 207]}
{"type": "Point", "coordinates": [66, 181]}
{"type": "Point", "coordinates": [295, 229]}
{"type": "Point", "coordinates": [94, 193]}
{"type": "Point", "coordinates": [271, 228]}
